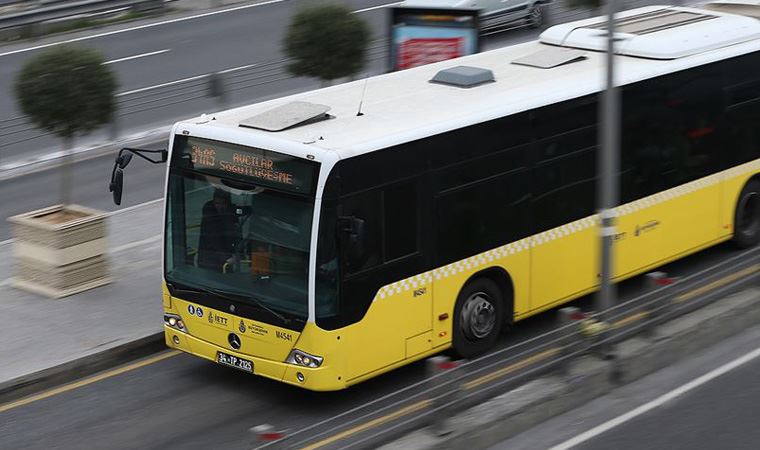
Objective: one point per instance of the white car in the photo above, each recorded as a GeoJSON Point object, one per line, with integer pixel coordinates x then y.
{"type": "Point", "coordinates": [494, 13]}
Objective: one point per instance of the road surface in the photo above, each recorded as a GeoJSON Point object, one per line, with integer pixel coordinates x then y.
{"type": "Point", "coordinates": [705, 403]}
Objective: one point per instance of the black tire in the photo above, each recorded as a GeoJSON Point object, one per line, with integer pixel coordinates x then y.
{"type": "Point", "coordinates": [747, 216]}
{"type": "Point", "coordinates": [535, 16]}
{"type": "Point", "coordinates": [478, 318]}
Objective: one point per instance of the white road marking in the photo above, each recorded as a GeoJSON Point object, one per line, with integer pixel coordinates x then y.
{"type": "Point", "coordinates": [659, 401]}
{"type": "Point", "coordinates": [372, 8]}
{"type": "Point", "coordinates": [183, 80]}
{"type": "Point", "coordinates": [233, 69]}
{"type": "Point", "coordinates": [133, 207]}
{"type": "Point", "coordinates": [142, 55]}
{"type": "Point", "coordinates": [135, 244]}
{"type": "Point", "coordinates": [169, 83]}
{"type": "Point", "coordinates": [167, 22]}
{"type": "Point", "coordinates": [142, 27]}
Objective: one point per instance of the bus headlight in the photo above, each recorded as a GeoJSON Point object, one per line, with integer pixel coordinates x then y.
{"type": "Point", "coordinates": [300, 358]}
{"type": "Point", "coordinates": [175, 321]}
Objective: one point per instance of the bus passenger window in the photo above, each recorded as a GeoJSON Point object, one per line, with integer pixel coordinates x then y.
{"type": "Point", "coordinates": [400, 207]}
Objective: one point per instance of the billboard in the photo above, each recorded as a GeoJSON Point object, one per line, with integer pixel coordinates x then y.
{"type": "Point", "coordinates": [420, 36]}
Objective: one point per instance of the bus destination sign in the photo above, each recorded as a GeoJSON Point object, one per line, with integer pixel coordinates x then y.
{"type": "Point", "coordinates": [249, 164]}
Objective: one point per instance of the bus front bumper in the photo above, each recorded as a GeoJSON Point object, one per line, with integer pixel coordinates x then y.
{"type": "Point", "coordinates": [316, 379]}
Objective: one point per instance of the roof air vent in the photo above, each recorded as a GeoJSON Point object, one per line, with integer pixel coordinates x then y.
{"type": "Point", "coordinates": [463, 76]}
{"type": "Point", "coordinates": [287, 116]}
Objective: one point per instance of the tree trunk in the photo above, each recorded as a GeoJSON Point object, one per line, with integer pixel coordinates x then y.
{"type": "Point", "coordinates": [68, 142]}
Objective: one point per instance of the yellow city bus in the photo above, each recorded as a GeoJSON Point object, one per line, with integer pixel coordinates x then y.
{"type": "Point", "coordinates": [319, 244]}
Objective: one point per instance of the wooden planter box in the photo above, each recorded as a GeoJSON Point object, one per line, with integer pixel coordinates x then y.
{"type": "Point", "coordinates": [59, 250]}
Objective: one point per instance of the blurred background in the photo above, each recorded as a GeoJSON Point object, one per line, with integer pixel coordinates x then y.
{"type": "Point", "coordinates": [141, 66]}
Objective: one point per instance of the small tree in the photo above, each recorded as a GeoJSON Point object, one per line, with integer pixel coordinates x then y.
{"type": "Point", "coordinates": [69, 92]}
{"type": "Point", "coordinates": [326, 42]}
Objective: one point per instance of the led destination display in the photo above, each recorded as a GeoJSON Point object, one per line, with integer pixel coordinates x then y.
{"type": "Point", "coordinates": [253, 165]}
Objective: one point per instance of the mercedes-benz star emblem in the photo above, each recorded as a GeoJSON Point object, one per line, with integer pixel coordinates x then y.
{"type": "Point", "coordinates": [234, 341]}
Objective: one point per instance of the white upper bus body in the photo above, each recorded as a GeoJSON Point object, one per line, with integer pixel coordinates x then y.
{"type": "Point", "coordinates": [749, 8]}
{"type": "Point", "coordinates": [405, 106]}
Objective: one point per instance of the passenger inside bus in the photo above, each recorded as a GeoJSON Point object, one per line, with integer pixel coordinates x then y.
{"type": "Point", "coordinates": [219, 232]}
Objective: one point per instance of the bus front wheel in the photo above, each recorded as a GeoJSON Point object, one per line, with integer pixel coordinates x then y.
{"type": "Point", "coordinates": [747, 216]}
{"type": "Point", "coordinates": [478, 318]}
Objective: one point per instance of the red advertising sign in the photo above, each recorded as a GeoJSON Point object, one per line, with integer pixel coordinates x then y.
{"type": "Point", "coordinates": [421, 36]}
{"type": "Point", "coordinates": [421, 51]}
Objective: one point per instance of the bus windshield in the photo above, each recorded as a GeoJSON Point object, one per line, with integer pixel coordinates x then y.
{"type": "Point", "coordinates": [238, 239]}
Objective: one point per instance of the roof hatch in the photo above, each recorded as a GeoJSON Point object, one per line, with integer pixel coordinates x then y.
{"type": "Point", "coordinates": [657, 32]}
{"type": "Point", "coordinates": [463, 76]}
{"type": "Point", "coordinates": [287, 116]}
{"type": "Point", "coordinates": [550, 57]}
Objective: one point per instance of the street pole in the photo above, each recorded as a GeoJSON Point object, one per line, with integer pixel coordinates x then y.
{"type": "Point", "coordinates": [608, 196]}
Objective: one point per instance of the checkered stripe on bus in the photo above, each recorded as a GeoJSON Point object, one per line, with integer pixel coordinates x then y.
{"type": "Point", "coordinates": [489, 257]}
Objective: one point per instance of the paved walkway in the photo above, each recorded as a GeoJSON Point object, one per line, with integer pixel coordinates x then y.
{"type": "Point", "coordinates": [38, 333]}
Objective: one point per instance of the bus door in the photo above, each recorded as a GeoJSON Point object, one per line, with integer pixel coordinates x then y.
{"type": "Point", "coordinates": [383, 293]}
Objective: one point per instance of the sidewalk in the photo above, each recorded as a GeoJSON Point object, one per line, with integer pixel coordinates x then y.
{"type": "Point", "coordinates": [39, 333]}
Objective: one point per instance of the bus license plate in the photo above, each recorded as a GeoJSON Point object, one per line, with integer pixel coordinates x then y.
{"type": "Point", "coordinates": [234, 361]}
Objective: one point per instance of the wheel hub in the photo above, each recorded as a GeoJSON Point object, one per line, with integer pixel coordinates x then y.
{"type": "Point", "coordinates": [478, 316]}
{"type": "Point", "coordinates": [749, 218]}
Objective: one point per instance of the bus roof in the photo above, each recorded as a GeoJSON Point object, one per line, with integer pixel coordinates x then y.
{"type": "Point", "coordinates": [404, 106]}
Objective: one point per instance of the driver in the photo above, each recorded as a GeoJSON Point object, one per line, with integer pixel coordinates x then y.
{"type": "Point", "coordinates": [219, 232]}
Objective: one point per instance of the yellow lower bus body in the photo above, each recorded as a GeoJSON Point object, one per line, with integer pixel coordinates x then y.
{"type": "Point", "coordinates": [413, 318]}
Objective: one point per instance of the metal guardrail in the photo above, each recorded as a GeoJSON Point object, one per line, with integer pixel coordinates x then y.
{"type": "Point", "coordinates": [61, 9]}
{"type": "Point", "coordinates": [469, 383]}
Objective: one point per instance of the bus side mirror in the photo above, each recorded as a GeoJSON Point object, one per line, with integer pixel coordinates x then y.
{"type": "Point", "coordinates": [123, 160]}
{"type": "Point", "coordinates": [352, 230]}
{"type": "Point", "coordinates": [116, 185]}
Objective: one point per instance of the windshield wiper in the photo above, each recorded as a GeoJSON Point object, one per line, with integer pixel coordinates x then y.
{"type": "Point", "coordinates": [232, 298]}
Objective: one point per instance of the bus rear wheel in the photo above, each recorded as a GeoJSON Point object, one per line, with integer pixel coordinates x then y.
{"type": "Point", "coordinates": [478, 318]}
{"type": "Point", "coordinates": [747, 216]}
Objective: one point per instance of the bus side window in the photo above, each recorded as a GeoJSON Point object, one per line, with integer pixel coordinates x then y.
{"type": "Point", "coordinates": [742, 75]}
{"type": "Point", "coordinates": [366, 206]}
{"type": "Point", "coordinates": [565, 180]}
{"type": "Point", "coordinates": [481, 216]}
{"type": "Point", "coordinates": [391, 222]}
{"type": "Point", "coordinates": [671, 131]}
{"type": "Point", "coordinates": [401, 220]}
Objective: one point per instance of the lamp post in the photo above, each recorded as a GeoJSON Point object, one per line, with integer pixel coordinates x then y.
{"type": "Point", "coordinates": [608, 163]}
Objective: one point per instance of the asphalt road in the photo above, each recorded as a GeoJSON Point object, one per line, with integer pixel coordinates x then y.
{"type": "Point", "coordinates": [143, 182]}
{"type": "Point", "coordinates": [719, 414]}
{"type": "Point", "coordinates": [185, 402]}
{"type": "Point", "coordinates": [172, 51]}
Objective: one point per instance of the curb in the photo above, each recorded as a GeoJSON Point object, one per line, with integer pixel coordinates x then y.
{"type": "Point", "coordinates": [55, 159]}
{"type": "Point", "coordinates": [26, 385]}
{"type": "Point", "coordinates": [589, 377]}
